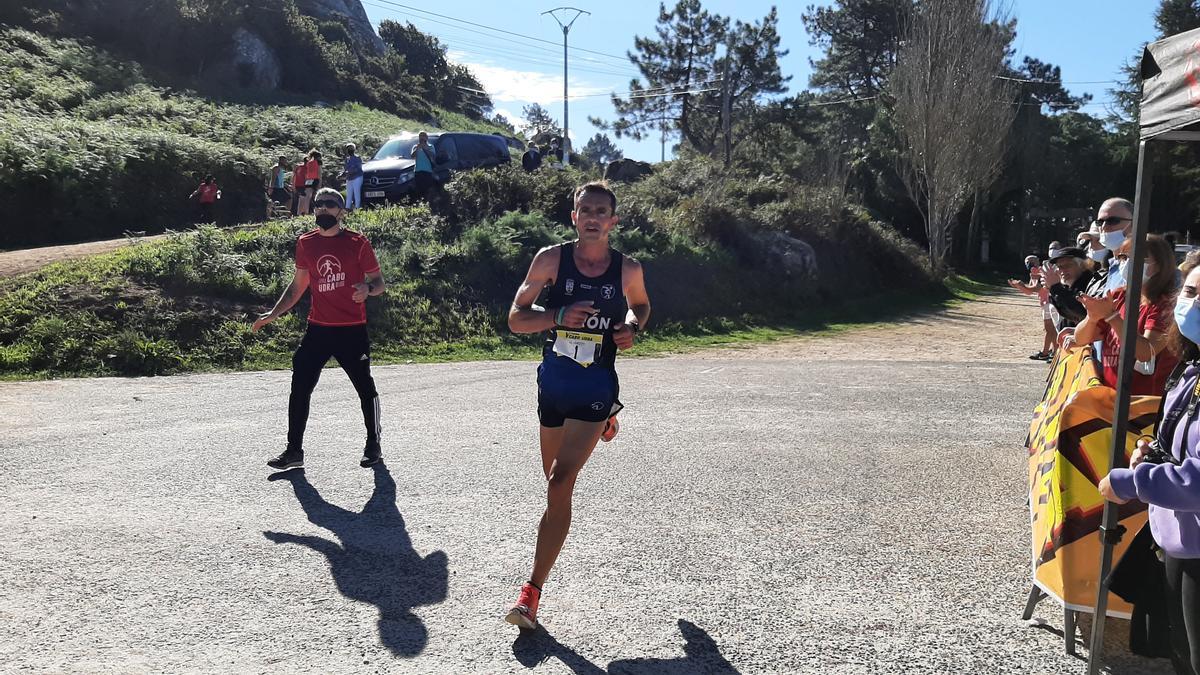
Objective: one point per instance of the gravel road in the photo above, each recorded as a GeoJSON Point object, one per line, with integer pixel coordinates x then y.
{"type": "Point", "coordinates": [851, 503]}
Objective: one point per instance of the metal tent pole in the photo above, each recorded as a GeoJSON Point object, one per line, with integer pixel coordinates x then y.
{"type": "Point", "coordinates": [1110, 528]}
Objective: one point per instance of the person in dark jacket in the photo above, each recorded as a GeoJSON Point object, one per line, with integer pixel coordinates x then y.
{"type": "Point", "coordinates": [1067, 277]}
{"type": "Point", "coordinates": [532, 159]}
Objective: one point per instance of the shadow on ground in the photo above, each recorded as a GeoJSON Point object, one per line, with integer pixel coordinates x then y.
{"type": "Point", "coordinates": [700, 655]}
{"type": "Point", "coordinates": [375, 561]}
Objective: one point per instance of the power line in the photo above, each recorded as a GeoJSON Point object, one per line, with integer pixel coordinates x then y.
{"type": "Point", "coordinates": [500, 30]}
{"type": "Point", "coordinates": [1022, 80]}
{"type": "Point", "coordinates": [489, 50]}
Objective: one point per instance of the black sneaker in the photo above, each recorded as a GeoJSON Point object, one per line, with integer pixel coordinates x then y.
{"type": "Point", "coordinates": [290, 459]}
{"type": "Point", "coordinates": [372, 453]}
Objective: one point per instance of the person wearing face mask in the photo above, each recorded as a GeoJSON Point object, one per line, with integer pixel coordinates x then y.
{"type": "Point", "coordinates": [1165, 473]}
{"type": "Point", "coordinates": [1114, 220]}
{"type": "Point", "coordinates": [340, 269]}
{"type": "Point", "coordinates": [1106, 320]}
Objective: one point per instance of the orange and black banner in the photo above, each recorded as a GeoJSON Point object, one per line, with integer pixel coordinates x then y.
{"type": "Point", "coordinates": [1069, 444]}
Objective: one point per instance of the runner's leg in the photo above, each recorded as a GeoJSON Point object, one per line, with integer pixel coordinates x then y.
{"type": "Point", "coordinates": [578, 440]}
{"type": "Point", "coordinates": [550, 440]}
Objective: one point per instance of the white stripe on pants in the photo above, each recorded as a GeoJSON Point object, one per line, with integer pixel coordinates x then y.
{"type": "Point", "coordinates": [354, 193]}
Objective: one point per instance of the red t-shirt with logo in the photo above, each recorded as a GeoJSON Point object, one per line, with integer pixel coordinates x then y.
{"type": "Point", "coordinates": [334, 265]}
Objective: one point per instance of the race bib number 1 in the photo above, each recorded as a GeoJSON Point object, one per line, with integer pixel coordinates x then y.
{"type": "Point", "coordinates": [583, 348]}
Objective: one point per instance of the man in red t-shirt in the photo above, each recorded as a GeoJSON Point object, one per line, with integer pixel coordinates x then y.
{"type": "Point", "coordinates": [340, 268]}
{"type": "Point", "coordinates": [207, 195]}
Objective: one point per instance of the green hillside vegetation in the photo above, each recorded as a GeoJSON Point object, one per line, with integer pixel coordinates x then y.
{"type": "Point", "coordinates": [96, 150]}
{"type": "Point", "coordinates": [185, 304]}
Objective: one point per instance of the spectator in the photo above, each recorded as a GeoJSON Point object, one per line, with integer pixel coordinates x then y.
{"type": "Point", "coordinates": [1036, 286]}
{"type": "Point", "coordinates": [312, 173]}
{"type": "Point", "coordinates": [1106, 318]}
{"type": "Point", "coordinates": [1165, 473]}
{"type": "Point", "coordinates": [556, 152]}
{"type": "Point", "coordinates": [532, 159]}
{"type": "Point", "coordinates": [1066, 278]}
{"type": "Point", "coordinates": [299, 191]}
{"type": "Point", "coordinates": [353, 173]}
{"type": "Point", "coordinates": [206, 196]}
{"type": "Point", "coordinates": [276, 190]}
{"type": "Point", "coordinates": [425, 155]}
{"type": "Point", "coordinates": [1115, 220]}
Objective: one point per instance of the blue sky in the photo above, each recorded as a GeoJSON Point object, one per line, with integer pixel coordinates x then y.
{"type": "Point", "coordinates": [1089, 39]}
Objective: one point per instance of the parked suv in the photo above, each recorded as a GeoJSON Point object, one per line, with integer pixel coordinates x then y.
{"type": "Point", "coordinates": [388, 176]}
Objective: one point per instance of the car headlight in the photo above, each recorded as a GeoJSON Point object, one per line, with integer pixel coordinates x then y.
{"type": "Point", "coordinates": [405, 177]}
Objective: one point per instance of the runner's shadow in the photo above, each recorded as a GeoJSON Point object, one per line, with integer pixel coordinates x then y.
{"type": "Point", "coordinates": [701, 655]}
{"type": "Point", "coordinates": [375, 561]}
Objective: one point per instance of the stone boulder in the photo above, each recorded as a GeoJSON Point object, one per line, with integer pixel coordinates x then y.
{"type": "Point", "coordinates": [359, 25]}
{"type": "Point", "coordinates": [786, 257]}
{"type": "Point", "coordinates": [253, 63]}
{"type": "Point", "coordinates": [627, 170]}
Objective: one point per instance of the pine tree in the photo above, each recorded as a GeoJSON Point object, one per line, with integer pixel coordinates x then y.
{"type": "Point", "coordinates": [601, 150]}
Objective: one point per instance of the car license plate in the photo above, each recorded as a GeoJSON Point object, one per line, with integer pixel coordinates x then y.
{"type": "Point", "coordinates": [372, 194]}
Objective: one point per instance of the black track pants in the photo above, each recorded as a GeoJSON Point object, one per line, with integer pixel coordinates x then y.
{"type": "Point", "coordinates": [352, 349]}
{"type": "Point", "coordinates": [1183, 606]}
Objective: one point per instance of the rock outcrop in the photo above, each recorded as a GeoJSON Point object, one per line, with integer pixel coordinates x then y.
{"type": "Point", "coordinates": [359, 25]}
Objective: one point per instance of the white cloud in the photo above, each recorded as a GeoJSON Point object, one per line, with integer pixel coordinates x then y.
{"type": "Point", "coordinates": [523, 86]}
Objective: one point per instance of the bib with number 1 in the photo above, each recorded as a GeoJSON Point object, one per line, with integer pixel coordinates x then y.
{"type": "Point", "coordinates": [583, 348]}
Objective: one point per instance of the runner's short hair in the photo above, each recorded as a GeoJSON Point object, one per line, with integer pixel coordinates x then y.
{"type": "Point", "coordinates": [330, 192]}
{"type": "Point", "coordinates": [596, 186]}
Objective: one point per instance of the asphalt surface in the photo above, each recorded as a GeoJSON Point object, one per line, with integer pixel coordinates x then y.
{"type": "Point", "coordinates": [757, 515]}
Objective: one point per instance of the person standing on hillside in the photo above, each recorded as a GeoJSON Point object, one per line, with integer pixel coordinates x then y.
{"type": "Point", "coordinates": [353, 173]}
{"type": "Point", "coordinates": [425, 155]}
{"type": "Point", "coordinates": [532, 159]}
{"type": "Point", "coordinates": [312, 174]}
{"type": "Point", "coordinates": [206, 195]}
{"type": "Point", "coordinates": [276, 192]}
{"type": "Point", "coordinates": [597, 303]}
{"type": "Point", "coordinates": [340, 268]}
{"type": "Point", "coordinates": [299, 192]}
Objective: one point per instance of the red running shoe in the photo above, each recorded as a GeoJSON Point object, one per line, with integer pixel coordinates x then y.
{"type": "Point", "coordinates": [524, 613]}
{"type": "Point", "coordinates": [610, 430]}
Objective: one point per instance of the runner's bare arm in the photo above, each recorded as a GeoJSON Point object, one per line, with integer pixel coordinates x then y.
{"type": "Point", "coordinates": [290, 297]}
{"type": "Point", "coordinates": [635, 293]}
{"type": "Point", "coordinates": [522, 317]}
{"type": "Point", "coordinates": [639, 304]}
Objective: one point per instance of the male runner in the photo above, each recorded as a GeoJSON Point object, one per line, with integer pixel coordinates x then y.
{"type": "Point", "coordinates": [340, 268]}
{"type": "Point", "coordinates": [597, 303]}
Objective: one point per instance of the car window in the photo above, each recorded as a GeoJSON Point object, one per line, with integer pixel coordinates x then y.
{"type": "Point", "coordinates": [447, 149]}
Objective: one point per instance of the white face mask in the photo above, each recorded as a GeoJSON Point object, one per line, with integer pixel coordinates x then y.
{"type": "Point", "coordinates": [1098, 255]}
{"type": "Point", "coordinates": [1112, 240]}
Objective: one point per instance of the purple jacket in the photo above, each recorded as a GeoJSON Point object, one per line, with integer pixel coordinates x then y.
{"type": "Point", "coordinates": [1172, 491]}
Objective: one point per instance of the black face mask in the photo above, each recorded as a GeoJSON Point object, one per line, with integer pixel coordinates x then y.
{"type": "Point", "coordinates": [326, 221]}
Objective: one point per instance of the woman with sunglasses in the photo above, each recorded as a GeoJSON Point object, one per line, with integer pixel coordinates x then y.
{"type": "Point", "coordinates": [1166, 475]}
{"type": "Point", "coordinates": [1106, 318]}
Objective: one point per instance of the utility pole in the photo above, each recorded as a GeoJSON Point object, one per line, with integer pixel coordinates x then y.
{"type": "Point", "coordinates": [566, 27]}
{"type": "Point", "coordinates": [726, 101]}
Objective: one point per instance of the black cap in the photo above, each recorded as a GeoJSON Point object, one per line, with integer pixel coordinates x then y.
{"type": "Point", "coordinates": [1073, 251]}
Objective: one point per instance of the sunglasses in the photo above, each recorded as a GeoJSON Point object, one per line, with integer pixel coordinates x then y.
{"type": "Point", "coordinates": [327, 204]}
{"type": "Point", "coordinates": [1111, 220]}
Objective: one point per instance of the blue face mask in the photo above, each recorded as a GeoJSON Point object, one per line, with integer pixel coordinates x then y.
{"type": "Point", "coordinates": [1116, 275]}
{"type": "Point", "coordinates": [1187, 317]}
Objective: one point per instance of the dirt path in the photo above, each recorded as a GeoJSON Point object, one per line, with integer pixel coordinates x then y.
{"type": "Point", "coordinates": [1004, 326]}
{"type": "Point", "coordinates": [27, 260]}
